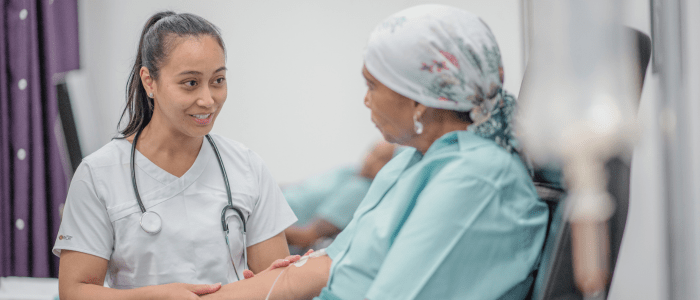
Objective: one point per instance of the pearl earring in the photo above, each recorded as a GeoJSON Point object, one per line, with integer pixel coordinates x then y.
{"type": "Point", "coordinates": [417, 126]}
{"type": "Point", "coordinates": [150, 95]}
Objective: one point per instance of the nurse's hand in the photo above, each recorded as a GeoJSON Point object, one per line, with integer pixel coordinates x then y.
{"type": "Point", "coordinates": [185, 291]}
{"type": "Point", "coordinates": [280, 263]}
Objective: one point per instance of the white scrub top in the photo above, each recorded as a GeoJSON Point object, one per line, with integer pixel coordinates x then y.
{"type": "Point", "coordinates": [101, 215]}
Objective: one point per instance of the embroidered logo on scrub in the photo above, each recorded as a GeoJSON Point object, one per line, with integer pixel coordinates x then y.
{"type": "Point", "coordinates": [65, 237]}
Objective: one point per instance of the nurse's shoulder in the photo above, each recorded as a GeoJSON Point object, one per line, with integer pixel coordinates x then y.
{"type": "Point", "coordinates": [98, 174]}
{"type": "Point", "coordinates": [238, 154]}
{"type": "Point", "coordinates": [107, 170]}
{"type": "Point", "coordinates": [110, 154]}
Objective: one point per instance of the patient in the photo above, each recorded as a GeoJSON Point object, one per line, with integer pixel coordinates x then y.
{"type": "Point", "coordinates": [455, 216]}
{"type": "Point", "coordinates": [324, 204]}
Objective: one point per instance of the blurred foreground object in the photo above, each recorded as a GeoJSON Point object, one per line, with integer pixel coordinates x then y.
{"type": "Point", "coordinates": [578, 112]}
{"type": "Point", "coordinates": [677, 49]}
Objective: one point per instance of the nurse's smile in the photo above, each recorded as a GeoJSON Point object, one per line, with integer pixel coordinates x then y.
{"type": "Point", "coordinates": [204, 119]}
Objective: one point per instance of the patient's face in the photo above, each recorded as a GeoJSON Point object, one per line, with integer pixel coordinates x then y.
{"type": "Point", "coordinates": [392, 113]}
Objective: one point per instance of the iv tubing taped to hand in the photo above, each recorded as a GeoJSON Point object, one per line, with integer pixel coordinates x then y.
{"type": "Point", "coordinates": [297, 264]}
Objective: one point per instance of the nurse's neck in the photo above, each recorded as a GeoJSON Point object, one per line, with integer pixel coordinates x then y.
{"type": "Point", "coordinates": [168, 148]}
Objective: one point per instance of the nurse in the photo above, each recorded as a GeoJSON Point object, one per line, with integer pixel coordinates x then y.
{"type": "Point", "coordinates": [170, 244]}
{"type": "Point", "coordinates": [455, 216]}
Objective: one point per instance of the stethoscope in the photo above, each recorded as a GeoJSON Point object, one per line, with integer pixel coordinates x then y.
{"type": "Point", "coordinates": [152, 223]}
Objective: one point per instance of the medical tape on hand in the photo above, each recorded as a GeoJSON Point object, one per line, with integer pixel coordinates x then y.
{"type": "Point", "coordinates": [299, 263]}
{"type": "Point", "coordinates": [303, 260]}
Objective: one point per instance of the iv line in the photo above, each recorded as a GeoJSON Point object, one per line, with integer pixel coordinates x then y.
{"type": "Point", "coordinates": [299, 263]}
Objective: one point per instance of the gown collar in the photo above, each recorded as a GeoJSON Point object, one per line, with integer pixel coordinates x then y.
{"type": "Point", "coordinates": [389, 176]}
{"type": "Point", "coordinates": [462, 138]}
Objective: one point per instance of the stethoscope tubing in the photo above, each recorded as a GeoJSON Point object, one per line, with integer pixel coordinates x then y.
{"type": "Point", "coordinates": [132, 163]}
{"type": "Point", "coordinates": [224, 225]}
{"type": "Point", "coordinates": [228, 189]}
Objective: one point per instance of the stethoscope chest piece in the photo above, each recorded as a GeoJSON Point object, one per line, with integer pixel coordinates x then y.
{"type": "Point", "coordinates": [151, 222]}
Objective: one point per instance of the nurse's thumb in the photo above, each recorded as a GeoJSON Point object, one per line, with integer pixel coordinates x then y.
{"type": "Point", "coordinates": [203, 289]}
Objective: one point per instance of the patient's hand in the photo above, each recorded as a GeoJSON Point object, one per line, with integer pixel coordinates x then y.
{"type": "Point", "coordinates": [280, 263]}
{"type": "Point", "coordinates": [295, 283]}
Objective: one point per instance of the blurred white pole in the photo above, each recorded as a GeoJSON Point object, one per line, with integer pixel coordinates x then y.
{"type": "Point", "coordinates": [579, 113]}
{"type": "Point", "coordinates": [679, 109]}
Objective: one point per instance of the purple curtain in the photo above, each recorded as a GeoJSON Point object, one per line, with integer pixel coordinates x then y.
{"type": "Point", "coordinates": [40, 40]}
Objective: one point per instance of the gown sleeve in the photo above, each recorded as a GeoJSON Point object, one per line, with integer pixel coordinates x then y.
{"type": "Point", "coordinates": [465, 235]}
{"type": "Point", "coordinates": [271, 214]}
{"type": "Point", "coordinates": [85, 226]}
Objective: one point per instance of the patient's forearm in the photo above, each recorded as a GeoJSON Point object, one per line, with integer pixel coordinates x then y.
{"type": "Point", "coordinates": [303, 282]}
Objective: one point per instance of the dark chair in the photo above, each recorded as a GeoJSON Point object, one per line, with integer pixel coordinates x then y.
{"type": "Point", "coordinates": [555, 279]}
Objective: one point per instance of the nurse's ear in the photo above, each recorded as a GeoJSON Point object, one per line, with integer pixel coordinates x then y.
{"type": "Point", "coordinates": [147, 81]}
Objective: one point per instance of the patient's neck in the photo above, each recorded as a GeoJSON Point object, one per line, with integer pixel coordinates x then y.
{"type": "Point", "coordinates": [436, 123]}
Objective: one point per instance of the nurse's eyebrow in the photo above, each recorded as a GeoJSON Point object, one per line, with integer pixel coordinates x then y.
{"type": "Point", "coordinates": [200, 73]}
{"type": "Point", "coordinates": [190, 73]}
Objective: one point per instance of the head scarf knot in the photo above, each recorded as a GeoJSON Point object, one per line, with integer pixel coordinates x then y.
{"type": "Point", "coordinates": [446, 58]}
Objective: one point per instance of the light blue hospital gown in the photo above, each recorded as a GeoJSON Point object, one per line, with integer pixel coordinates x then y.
{"type": "Point", "coordinates": [462, 221]}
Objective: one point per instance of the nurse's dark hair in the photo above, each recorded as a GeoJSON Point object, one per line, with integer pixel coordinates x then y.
{"type": "Point", "coordinates": [157, 40]}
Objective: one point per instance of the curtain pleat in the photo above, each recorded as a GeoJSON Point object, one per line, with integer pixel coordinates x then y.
{"type": "Point", "coordinates": [40, 40]}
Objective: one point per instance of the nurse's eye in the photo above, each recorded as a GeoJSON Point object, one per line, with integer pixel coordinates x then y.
{"type": "Point", "coordinates": [190, 83]}
{"type": "Point", "coordinates": [220, 80]}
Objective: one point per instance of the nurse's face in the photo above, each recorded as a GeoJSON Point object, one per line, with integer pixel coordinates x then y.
{"type": "Point", "coordinates": [392, 113]}
{"type": "Point", "coordinates": [191, 86]}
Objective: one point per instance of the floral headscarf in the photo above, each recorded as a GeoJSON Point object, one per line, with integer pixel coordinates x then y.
{"type": "Point", "coordinates": [447, 58]}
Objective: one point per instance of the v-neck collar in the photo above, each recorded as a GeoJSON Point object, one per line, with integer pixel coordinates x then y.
{"type": "Point", "coordinates": [173, 185]}
{"type": "Point", "coordinates": [389, 177]}
{"type": "Point", "coordinates": [404, 161]}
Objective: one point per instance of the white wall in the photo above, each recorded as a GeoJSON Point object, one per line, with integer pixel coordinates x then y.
{"type": "Point", "coordinates": [295, 89]}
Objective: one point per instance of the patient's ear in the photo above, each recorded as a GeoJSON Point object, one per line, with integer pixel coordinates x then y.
{"type": "Point", "coordinates": [500, 73]}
